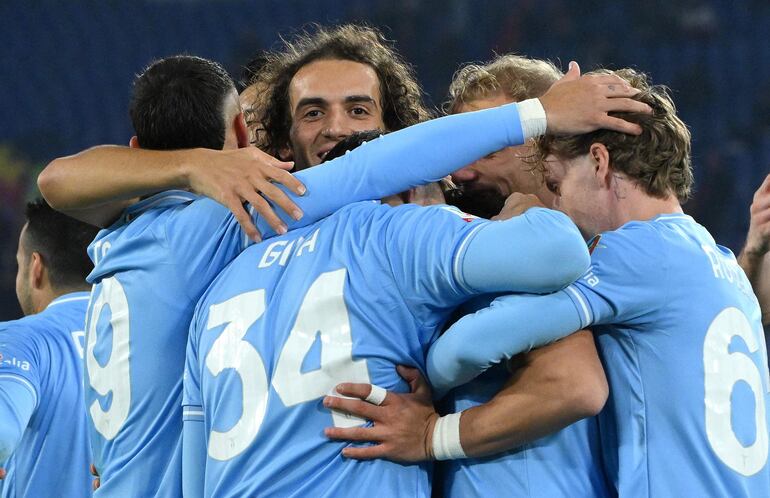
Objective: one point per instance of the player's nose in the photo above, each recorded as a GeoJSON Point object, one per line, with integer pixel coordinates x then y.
{"type": "Point", "coordinates": [337, 126]}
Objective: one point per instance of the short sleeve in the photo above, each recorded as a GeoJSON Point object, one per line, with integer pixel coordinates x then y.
{"type": "Point", "coordinates": [423, 244]}
{"type": "Point", "coordinates": [20, 358]}
{"type": "Point", "coordinates": [627, 278]}
{"type": "Point", "coordinates": [204, 237]}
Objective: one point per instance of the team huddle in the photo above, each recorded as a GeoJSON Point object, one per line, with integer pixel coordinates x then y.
{"type": "Point", "coordinates": [287, 295]}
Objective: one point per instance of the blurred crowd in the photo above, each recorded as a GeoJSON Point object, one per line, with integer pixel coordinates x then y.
{"type": "Point", "coordinates": [69, 66]}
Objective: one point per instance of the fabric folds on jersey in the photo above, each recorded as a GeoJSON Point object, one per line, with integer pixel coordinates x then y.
{"type": "Point", "coordinates": [41, 376]}
{"type": "Point", "coordinates": [159, 257]}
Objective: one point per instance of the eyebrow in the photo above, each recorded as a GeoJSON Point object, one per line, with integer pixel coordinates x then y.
{"type": "Point", "coordinates": [360, 98]}
{"type": "Point", "coordinates": [310, 101]}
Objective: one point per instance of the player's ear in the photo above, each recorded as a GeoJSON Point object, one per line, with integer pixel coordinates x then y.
{"type": "Point", "coordinates": [241, 130]}
{"type": "Point", "coordinates": [37, 271]}
{"type": "Point", "coordinates": [134, 142]}
{"type": "Point", "coordinates": [600, 157]}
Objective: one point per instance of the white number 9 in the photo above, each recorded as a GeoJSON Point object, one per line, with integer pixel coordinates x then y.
{"type": "Point", "coordinates": [722, 371]}
{"type": "Point", "coordinates": [115, 375]}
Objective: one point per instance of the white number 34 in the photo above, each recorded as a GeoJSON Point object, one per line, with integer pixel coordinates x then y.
{"type": "Point", "coordinates": [323, 311]}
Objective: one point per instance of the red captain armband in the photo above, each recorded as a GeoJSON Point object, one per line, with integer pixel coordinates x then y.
{"type": "Point", "coordinates": [593, 243]}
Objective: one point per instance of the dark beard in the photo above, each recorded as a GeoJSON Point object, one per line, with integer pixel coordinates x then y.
{"type": "Point", "coordinates": [481, 202]}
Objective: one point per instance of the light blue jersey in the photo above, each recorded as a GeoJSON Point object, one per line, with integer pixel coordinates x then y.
{"type": "Point", "coordinates": [149, 269]}
{"type": "Point", "coordinates": [345, 299]}
{"type": "Point", "coordinates": [41, 400]}
{"type": "Point", "coordinates": [154, 263]}
{"type": "Point", "coordinates": [565, 464]}
{"type": "Point", "coordinates": [679, 333]}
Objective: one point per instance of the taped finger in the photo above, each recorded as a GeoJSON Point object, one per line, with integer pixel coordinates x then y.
{"type": "Point", "coordinates": [376, 395]}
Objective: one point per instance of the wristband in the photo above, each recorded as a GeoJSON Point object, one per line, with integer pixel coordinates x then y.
{"type": "Point", "coordinates": [446, 438]}
{"type": "Point", "coordinates": [532, 117]}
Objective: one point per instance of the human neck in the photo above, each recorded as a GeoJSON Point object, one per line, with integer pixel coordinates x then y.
{"type": "Point", "coordinates": [45, 297]}
{"type": "Point", "coordinates": [633, 204]}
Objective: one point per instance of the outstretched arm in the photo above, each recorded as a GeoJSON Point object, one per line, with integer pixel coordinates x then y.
{"type": "Point", "coordinates": [573, 105]}
{"type": "Point", "coordinates": [511, 325]}
{"type": "Point", "coordinates": [97, 184]}
{"type": "Point", "coordinates": [551, 388]}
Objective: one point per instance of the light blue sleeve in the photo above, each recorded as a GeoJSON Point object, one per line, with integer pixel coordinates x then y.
{"type": "Point", "coordinates": [193, 458]}
{"type": "Point", "coordinates": [17, 403]}
{"type": "Point", "coordinates": [398, 161]}
{"type": "Point", "coordinates": [393, 163]}
{"type": "Point", "coordinates": [191, 392]}
{"type": "Point", "coordinates": [511, 325]}
{"type": "Point", "coordinates": [627, 280]}
{"type": "Point", "coordinates": [461, 256]}
{"type": "Point", "coordinates": [21, 356]}
{"type": "Point", "coordinates": [539, 252]}
{"type": "Point", "coordinates": [194, 428]}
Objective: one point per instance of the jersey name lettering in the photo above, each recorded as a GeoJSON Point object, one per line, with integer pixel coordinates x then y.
{"type": "Point", "coordinates": [280, 250]}
{"type": "Point", "coordinates": [727, 269]}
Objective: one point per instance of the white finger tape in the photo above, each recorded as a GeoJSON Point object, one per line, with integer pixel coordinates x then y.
{"type": "Point", "coordinates": [377, 395]}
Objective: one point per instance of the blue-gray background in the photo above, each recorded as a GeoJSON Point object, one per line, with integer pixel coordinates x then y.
{"type": "Point", "coordinates": [67, 67]}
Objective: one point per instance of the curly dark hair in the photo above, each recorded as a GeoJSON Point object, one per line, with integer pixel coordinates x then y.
{"type": "Point", "coordinates": [402, 102]}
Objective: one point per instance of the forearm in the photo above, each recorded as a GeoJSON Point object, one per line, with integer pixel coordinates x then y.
{"type": "Point", "coordinates": [557, 386]}
{"type": "Point", "coordinates": [511, 325]}
{"type": "Point", "coordinates": [431, 150]}
{"type": "Point", "coordinates": [111, 173]}
{"type": "Point", "coordinates": [755, 265]}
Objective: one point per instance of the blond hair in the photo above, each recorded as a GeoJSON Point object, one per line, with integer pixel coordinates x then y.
{"type": "Point", "coordinates": [517, 77]}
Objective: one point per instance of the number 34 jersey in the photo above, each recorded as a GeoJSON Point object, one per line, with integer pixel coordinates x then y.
{"type": "Point", "coordinates": [346, 299]}
{"type": "Point", "coordinates": [678, 329]}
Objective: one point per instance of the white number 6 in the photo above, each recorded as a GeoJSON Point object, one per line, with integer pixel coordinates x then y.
{"type": "Point", "coordinates": [723, 370]}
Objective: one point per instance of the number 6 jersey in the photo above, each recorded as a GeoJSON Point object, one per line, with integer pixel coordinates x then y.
{"type": "Point", "coordinates": [679, 334]}
{"type": "Point", "coordinates": [678, 330]}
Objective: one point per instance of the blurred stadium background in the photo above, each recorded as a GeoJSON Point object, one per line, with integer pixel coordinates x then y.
{"type": "Point", "coordinates": [67, 68]}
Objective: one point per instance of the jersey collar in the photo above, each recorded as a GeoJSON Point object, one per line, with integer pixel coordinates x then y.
{"type": "Point", "coordinates": [162, 199]}
{"type": "Point", "coordinates": [69, 297]}
{"type": "Point", "coordinates": [673, 216]}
